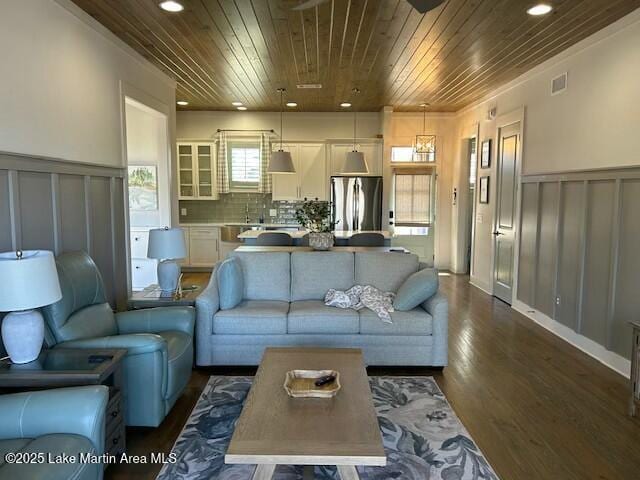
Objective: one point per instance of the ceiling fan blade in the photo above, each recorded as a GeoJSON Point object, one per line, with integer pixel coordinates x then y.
{"type": "Point", "coordinates": [423, 6]}
{"type": "Point", "coordinates": [309, 4]}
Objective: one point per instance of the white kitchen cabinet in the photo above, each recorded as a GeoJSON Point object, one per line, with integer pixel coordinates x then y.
{"type": "Point", "coordinates": [143, 269]}
{"type": "Point", "coordinates": [144, 272]}
{"type": "Point", "coordinates": [310, 180]}
{"type": "Point", "coordinates": [196, 171]}
{"type": "Point", "coordinates": [372, 155]}
{"type": "Point", "coordinates": [204, 246]}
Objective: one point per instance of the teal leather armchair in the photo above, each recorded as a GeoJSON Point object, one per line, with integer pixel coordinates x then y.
{"type": "Point", "coordinates": [65, 421]}
{"type": "Point", "coordinates": [159, 341]}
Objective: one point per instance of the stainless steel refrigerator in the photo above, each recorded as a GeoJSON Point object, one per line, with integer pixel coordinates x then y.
{"type": "Point", "coordinates": [356, 203]}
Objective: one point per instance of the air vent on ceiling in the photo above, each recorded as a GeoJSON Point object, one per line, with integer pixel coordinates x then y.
{"type": "Point", "coordinates": [309, 85]}
{"type": "Point", "coordinates": [559, 84]}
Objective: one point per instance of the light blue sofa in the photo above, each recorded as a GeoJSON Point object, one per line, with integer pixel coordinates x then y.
{"type": "Point", "coordinates": [159, 341]}
{"type": "Point", "coordinates": [283, 306]}
{"type": "Point", "coordinates": [65, 421]}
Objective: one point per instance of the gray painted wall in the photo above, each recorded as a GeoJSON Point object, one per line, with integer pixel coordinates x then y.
{"type": "Point", "coordinates": [60, 206]}
{"type": "Point", "coordinates": [579, 262]}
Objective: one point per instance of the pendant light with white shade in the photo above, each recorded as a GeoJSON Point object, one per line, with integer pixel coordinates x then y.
{"type": "Point", "coordinates": [281, 161]}
{"type": "Point", "coordinates": [354, 163]}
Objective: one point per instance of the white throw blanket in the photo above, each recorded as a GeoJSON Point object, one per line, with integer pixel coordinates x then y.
{"type": "Point", "coordinates": [361, 296]}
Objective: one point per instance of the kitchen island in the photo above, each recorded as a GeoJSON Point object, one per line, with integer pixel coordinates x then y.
{"type": "Point", "coordinates": [256, 248]}
{"type": "Point", "coordinates": [341, 236]}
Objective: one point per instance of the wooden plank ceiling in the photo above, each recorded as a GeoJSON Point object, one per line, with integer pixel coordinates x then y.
{"type": "Point", "coordinates": [221, 51]}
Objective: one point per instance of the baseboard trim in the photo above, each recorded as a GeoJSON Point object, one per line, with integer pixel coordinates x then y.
{"type": "Point", "coordinates": [608, 358]}
{"type": "Point", "coordinates": [478, 283]}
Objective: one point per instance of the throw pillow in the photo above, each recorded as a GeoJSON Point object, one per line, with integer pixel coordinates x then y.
{"type": "Point", "coordinates": [230, 283]}
{"type": "Point", "coordinates": [417, 288]}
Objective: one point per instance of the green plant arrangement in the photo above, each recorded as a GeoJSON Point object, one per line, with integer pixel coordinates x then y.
{"type": "Point", "coordinates": [315, 216]}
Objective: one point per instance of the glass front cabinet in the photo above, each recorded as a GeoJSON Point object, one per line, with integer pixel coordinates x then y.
{"type": "Point", "coordinates": [196, 171]}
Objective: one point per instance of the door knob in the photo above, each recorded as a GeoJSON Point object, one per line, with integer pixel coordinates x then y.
{"type": "Point", "coordinates": [496, 233]}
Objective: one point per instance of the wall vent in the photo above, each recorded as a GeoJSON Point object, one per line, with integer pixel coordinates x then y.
{"type": "Point", "coordinates": [559, 84]}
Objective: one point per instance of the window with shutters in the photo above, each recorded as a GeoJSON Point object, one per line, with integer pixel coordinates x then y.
{"type": "Point", "coordinates": [413, 199]}
{"type": "Point", "coordinates": [244, 164]}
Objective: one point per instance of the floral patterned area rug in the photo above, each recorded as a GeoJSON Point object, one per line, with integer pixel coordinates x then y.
{"type": "Point", "coordinates": [423, 438]}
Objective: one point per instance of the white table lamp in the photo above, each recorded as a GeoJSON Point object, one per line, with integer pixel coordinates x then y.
{"type": "Point", "coordinates": [30, 280]}
{"type": "Point", "coordinates": [167, 244]}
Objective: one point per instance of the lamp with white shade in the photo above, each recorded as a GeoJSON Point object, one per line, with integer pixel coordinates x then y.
{"type": "Point", "coordinates": [30, 280]}
{"type": "Point", "coordinates": [354, 162]}
{"type": "Point", "coordinates": [167, 245]}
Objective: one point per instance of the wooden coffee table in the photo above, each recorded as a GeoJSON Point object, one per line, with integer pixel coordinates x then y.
{"type": "Point", "coordinates": [276, 429]}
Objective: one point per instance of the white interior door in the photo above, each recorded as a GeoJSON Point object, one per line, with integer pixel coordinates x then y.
{"type": "Point", "coordinates": [505, 223]}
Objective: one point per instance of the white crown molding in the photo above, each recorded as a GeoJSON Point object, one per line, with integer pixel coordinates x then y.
{"type": "Point", "coordinates": [92, 23]}
{"type": "Point", "coordinates": [607, 32]}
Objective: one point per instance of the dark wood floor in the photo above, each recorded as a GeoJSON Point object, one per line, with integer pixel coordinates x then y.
{"type": "Point", "coordinates": [536, 406]}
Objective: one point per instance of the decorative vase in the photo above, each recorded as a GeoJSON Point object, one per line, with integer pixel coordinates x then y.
{"type": "Point", "coordinates": [321, 241]}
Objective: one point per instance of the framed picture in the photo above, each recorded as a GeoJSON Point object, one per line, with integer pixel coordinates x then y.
{"type": "Point", "coordinates": [484, 189]}
{"type": "Point", "coordinates": [143, 188]}
{"type": "Point", "coordinates": [485, 154]}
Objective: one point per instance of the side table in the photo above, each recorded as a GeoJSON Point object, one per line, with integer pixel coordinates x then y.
{"type": "Point", "coordinates": [70, 367]}
{"type": "Point", "coordinates": [152, 297]}
{"type": "Point", "coordinates": [635, 368]}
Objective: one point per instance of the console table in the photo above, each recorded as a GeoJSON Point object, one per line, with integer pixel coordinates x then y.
{"type": "Point", "coordinates": [70, 367]}
{"type": "Point", "coordinates": [635, 368]}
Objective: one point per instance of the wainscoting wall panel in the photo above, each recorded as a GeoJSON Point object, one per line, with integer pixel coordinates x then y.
{"type": "Point", "coordinates": [63, 206]}
{"type": "Point", "coordinates": [546, 251]}
{"type": "Point", "coordinates": [5, 213]}
{"type": "Point", "coordinates": [528, 232]}
{"type": "Point", "coordinates": [569, 254]}
{"type": "Point", "coordinates": [579, 263]}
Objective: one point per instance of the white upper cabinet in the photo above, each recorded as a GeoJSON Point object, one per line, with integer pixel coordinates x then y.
{"type": "Point", "coordinates": [196, 171]}
{"type": "Point", "coordinates": [310, 180]}
{"type": "Point", "coordinates": [372, 155]}
{"type": "Point", "coordinates": [312, 172]}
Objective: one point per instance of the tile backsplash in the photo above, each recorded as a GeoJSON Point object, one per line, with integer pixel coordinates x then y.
{"type": "Point", "coordinates": [232, 208]}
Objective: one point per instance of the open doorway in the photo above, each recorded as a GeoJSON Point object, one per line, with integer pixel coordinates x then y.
{"type": "Point", "coordinates": [148, 166]}
{"type": "Point", "coordinates": [471, 195]}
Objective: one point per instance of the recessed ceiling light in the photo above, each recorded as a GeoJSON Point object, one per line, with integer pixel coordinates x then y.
{"type": "Point", "coordinates": [241, 108]}
{"type": "Point", "coordinates": [236, 104]}
{"type": "Point", "coordinates": [540, 9]}
{"type": "Point", "coordinates": [292, 104]}
{"type": "Point", "coordinates": [345, 104]}
{"type": "Point", "coordinates": [182, 103]}
{"type": "Point", "coordinates": [171, 6]}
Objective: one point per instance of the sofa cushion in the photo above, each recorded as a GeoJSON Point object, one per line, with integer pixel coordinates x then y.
{"type": "Point", "coordinates": [266, 275]}
{"type": "Point", "coordinates": [385, 271]}
{"type": "Point", "coordinates": [313, 316]}
{"type": "Point", "coordinates": [253, 317]}
{"type": "Point", "coordinates": [413, 322]}
{"type": "Point", "coordinates": [417, 288]}
{"type": "Point", "coordinates": [230, 283]}
{"type": "Point", "coordinates": [314, 273]}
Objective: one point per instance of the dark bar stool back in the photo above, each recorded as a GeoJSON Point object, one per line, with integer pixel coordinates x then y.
{"type": "Point", "coordinates": [274, 239]}
{"type": "Point", "coordinates": [367, 240]}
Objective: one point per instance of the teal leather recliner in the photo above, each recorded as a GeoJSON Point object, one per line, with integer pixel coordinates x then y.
{"type": "Point", "coordinates": [65, 421]}
{"type": "Point", "coordinates": [159, 341]}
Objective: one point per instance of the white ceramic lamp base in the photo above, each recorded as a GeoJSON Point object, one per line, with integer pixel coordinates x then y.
{"type": "Point", "coordinates": [168, 275]}
{"type": "Point", "coordinates": [22, 335]}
